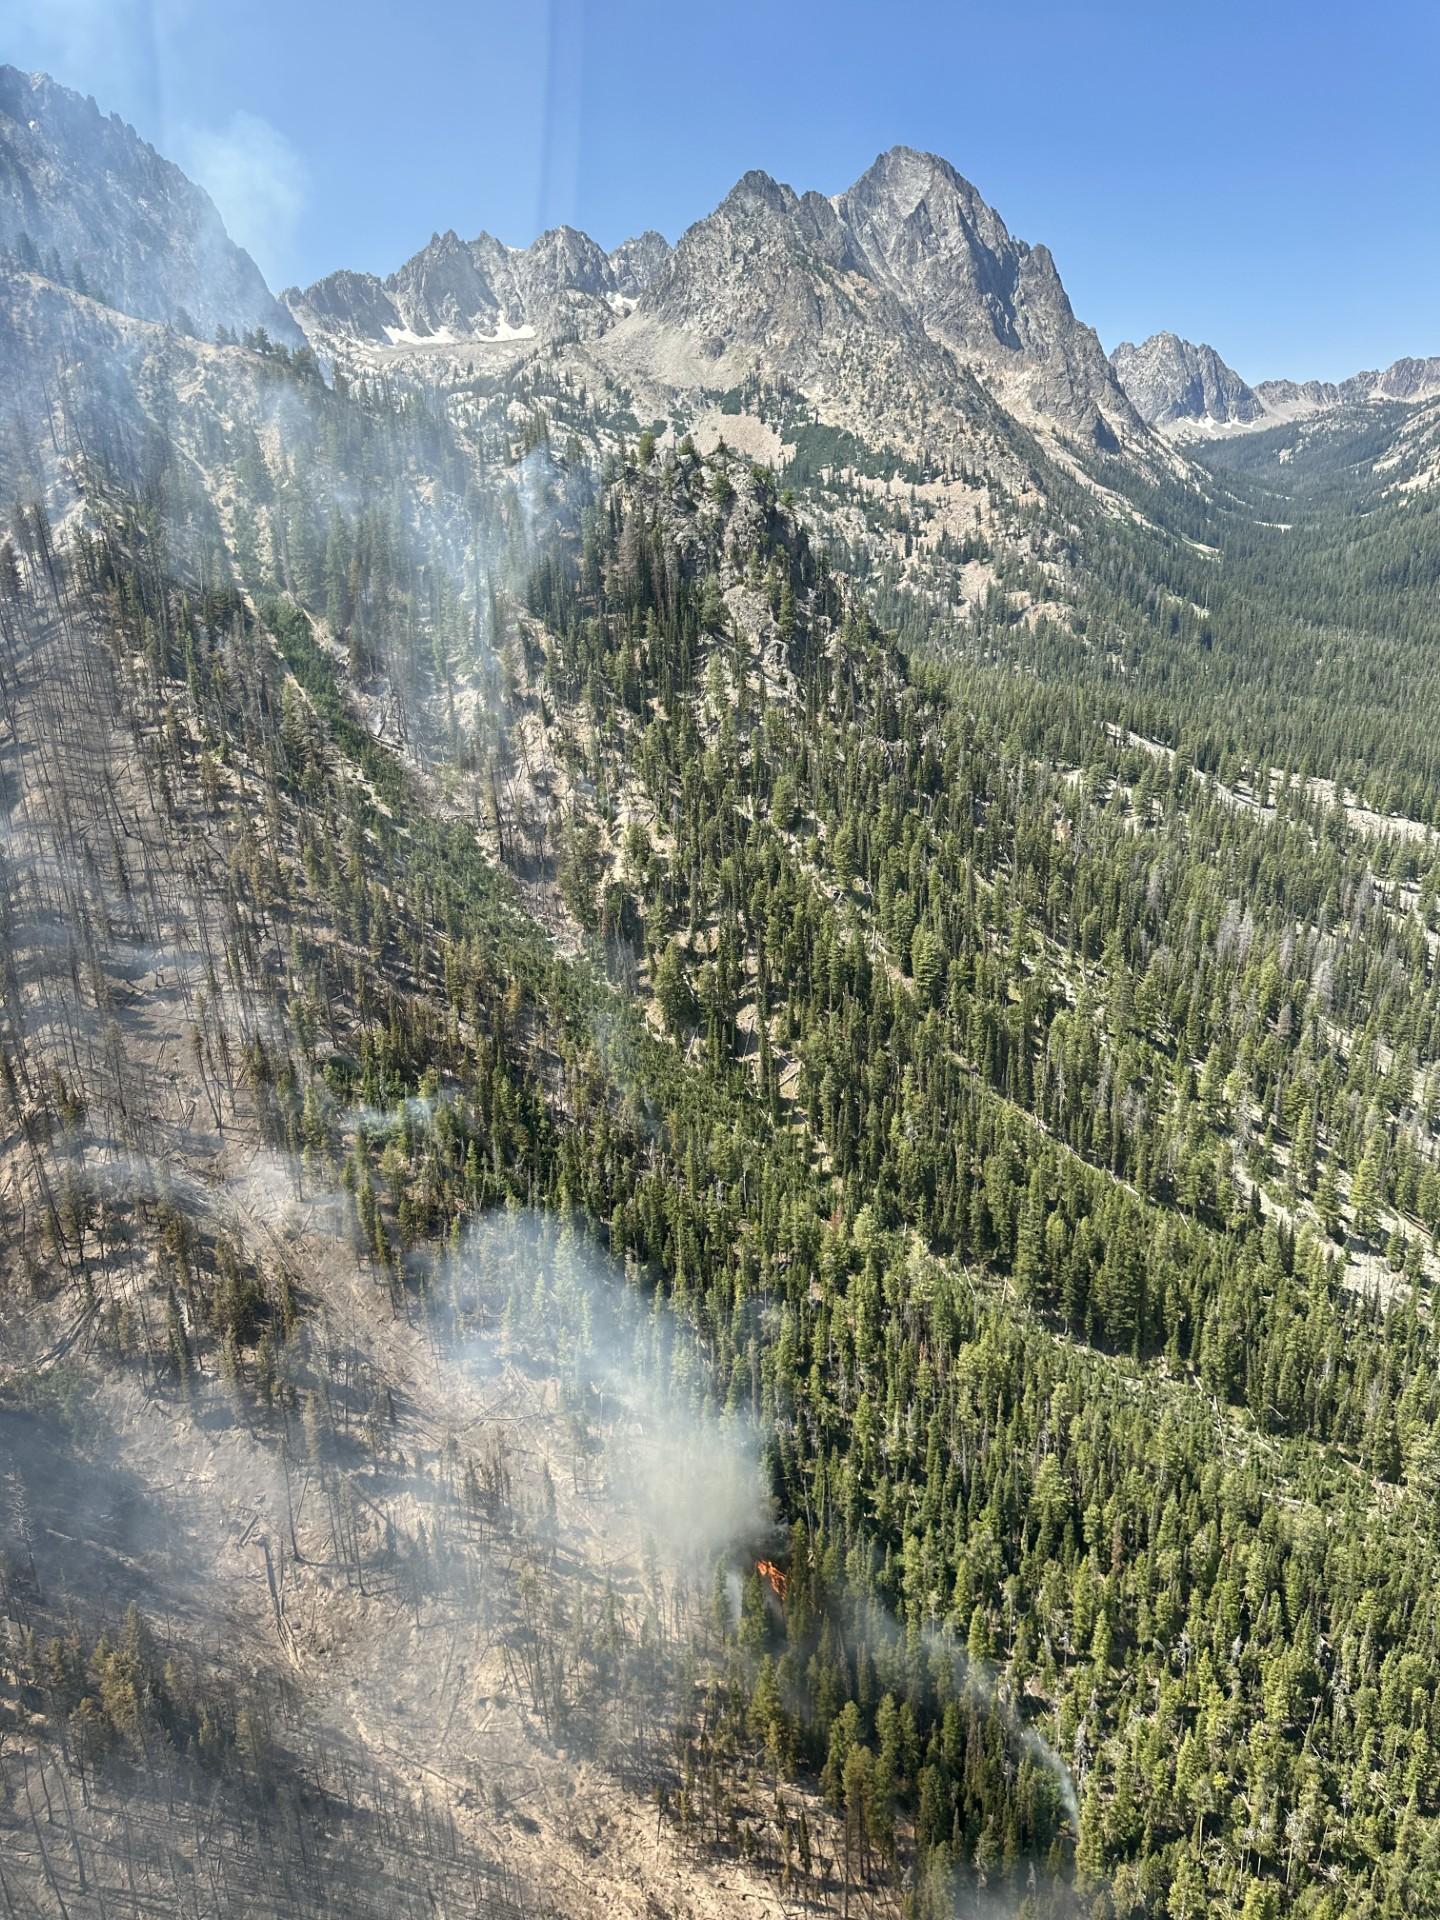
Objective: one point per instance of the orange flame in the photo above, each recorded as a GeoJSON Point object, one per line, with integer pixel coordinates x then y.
{"type": "Point", "coordinates": [768, 1570]}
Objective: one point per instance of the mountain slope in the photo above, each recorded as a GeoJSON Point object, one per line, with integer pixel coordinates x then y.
{"type": "Point", "coordinates": [768, 286]}
{"type": "Point", "coordinates": [85, 200]}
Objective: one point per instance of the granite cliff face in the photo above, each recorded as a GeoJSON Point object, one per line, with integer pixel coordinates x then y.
{"type": "Point", "coordinates": [1407, 379]}
{"type": "Point", "coordinates": [1170, 379]}
{"type": "Point", "coordinates": [636, 263]}
{"type": "Point", "coordinates": [84, 201]}
{"type": "Point", "coordinates": [918, 228]}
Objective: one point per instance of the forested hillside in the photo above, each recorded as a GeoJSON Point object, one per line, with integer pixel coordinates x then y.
{"type": "Point", "coordinates": [720, 1144]}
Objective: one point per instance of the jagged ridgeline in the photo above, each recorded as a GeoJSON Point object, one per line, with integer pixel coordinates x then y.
{"type": "Point", "coordinates": [719, 1087]}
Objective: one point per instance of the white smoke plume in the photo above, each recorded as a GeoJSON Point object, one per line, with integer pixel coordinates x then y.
{"type": "Point", "coordinates": [258, 180]}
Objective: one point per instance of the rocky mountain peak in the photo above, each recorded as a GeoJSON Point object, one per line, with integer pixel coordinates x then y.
{"type": "Point", "coordinates": [1410, 378]}
{"type": "Point", "coordinates": [921, 196]}
{"type": "Point", "coordinates": [927, 234]}
{"type": "Point", "coordinates": [638, 262]}
{"type": "Point", "coordinates": [756, 192]}
{"type": "Point", "coordinates": [569, 258]}
{"type": "Point", "coordinates": [1173, 382]}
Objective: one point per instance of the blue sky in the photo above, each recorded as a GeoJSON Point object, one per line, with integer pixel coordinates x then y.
{"type": "Point", "coordinates": [1265, 177]}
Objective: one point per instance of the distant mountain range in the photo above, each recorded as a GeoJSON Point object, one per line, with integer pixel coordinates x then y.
{"type": "Point", "coordinates": [483, 291]}
{"type": "Point", "coordinates": [901, 276]}
{"type": "Point", "coordinates": [902, 307]}
{"type": "Point", "coordinates": [907, 260]}
{"type": "Point", "coordinates": [1183, 388]}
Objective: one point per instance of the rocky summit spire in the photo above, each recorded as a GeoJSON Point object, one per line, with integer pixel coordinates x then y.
{"type": "Point", "coordinates": [1172, 380]}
